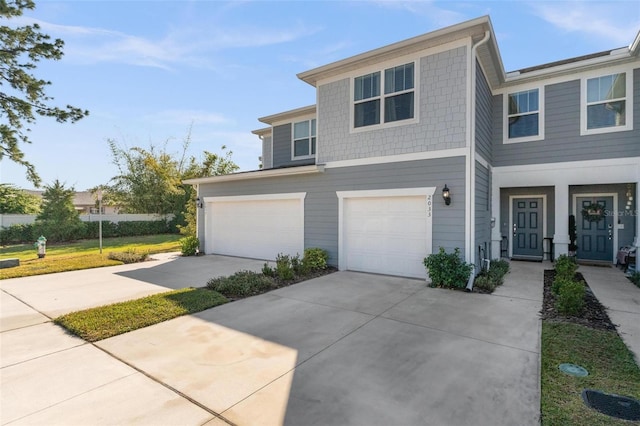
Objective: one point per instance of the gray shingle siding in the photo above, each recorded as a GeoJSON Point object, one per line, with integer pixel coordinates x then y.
{"type": "Point", "coordinates": [562, 131]}
{"type": "Point", "coordinates": [442, 115]}
{"type": "Point", "coordinates": [321, 202]}
{"type": "Point", "coordinates": [484, 114]}
{"type": "Point", "coordinates": [282, 148]}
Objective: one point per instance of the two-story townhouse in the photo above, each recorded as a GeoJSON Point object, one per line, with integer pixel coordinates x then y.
{"type": "Point", "coordinates": [428, 143]}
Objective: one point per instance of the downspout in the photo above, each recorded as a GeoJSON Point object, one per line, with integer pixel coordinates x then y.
{"type": "Point", "coordinates": [471, 166]}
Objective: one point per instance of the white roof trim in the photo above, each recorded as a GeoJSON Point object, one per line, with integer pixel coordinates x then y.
{"type": "Point", "coordinates": [287, 115]}
{"type": "Point", "coordinates": [258, 174]}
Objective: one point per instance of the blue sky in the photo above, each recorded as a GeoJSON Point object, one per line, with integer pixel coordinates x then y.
{"type": "Point", "coordinates": [148, 70]}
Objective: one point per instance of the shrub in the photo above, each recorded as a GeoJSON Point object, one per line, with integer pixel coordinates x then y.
{"type": "Point", "coordinates": [284, 269]}
{"type": "Point", "coordinates": [565, 267]}
{"type": "Point", "coordinates": [268, 270]}
{"type": "Point", "coordinates": [129, 256]}
{"type": "Point", "coordinates": [241, 284]}
{"type": "Point", "coordinates": [189, 246]}
{"type": "Point", "coordinates": [558, 283]}
{"type": "Point", "coordinates": [499, 268]}
{"type": "Point", "coordinates": [635, 278]}
{"type": "Point", "coordinates": [570, 299]}
{"type": "Point", "coordinates": [447, 270]}
{"type": "Point", "coordinates": [315, 259]}
{"type": "Point", "coordinates": [16, 234]}
{"type": "Point", "coordinates": [296, 265]}
{"type": "Point", "coordinates": [485, 282]}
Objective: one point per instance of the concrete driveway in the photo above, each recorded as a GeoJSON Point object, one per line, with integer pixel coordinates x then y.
{"type": "Point", "coordinates": [347, 348]}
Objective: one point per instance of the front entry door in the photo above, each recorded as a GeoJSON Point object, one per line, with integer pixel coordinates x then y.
{"type": "Point", "coordinates": [527, 228]}
{"type": "Point", "coordinates": [595, 237]}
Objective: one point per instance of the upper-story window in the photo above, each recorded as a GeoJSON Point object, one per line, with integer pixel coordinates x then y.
{"type": "Point", "coordinates": [304, 139]}
{"type": "Point", "coordinates": [372, 106]}
{"type": "Point", "coordinates": [604, 106]}
{"type": "Point", "coordinates": [524, 118]}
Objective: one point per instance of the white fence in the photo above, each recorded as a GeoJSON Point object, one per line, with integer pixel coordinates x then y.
{"type": "Point", "coordinates": [7, 220]}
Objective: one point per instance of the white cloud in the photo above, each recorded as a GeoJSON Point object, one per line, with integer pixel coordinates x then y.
{"type": "Point", "coordinates": [599, 19]}
{"type": "Point", "coordinates": [438, 16]}
{"type": "Point", "coordinates": [185, 46]}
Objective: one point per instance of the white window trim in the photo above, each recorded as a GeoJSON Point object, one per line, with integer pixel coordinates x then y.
{"type": "Point", "coordinates": [383, 96]}
{"type": "Point", "coordinates": [505, 116]}
{"type": "Point", "coordinates": [628, 103]}
{"type": "Point", "coordinates": [293, 140]}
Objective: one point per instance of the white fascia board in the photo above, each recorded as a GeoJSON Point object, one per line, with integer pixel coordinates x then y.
{"type": "Point", "coordinates": [258, 174]}
{"type": "Point", "coordinates": [617, 170]}
{"type": "Point", "coordinates": [288, 115]}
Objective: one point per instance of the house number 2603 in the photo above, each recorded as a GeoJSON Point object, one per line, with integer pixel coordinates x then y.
{"type": "Point", "coordinates": [428, 205]}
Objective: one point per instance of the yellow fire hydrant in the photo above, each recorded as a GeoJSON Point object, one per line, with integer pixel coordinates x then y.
{"type": "Point", "coordinates": [41, 246]}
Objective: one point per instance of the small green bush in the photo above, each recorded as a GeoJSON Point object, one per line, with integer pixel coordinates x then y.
{"type": "Point", "coordinates": [570, 299]}
{"type": "Point", "coordinates": [129, 256]}
{"type": "Point", "coordinates": [284, 270]}
{"type": "Point", "coordinates": [565, 267]}
{"type": "Point", "coordinates": [296, 265]}
{"type": "Point", "coordinates": [635, 278]}
{"type": "Point", "coordinates": [485, 282]}
{"type": "Point", "coordinates": [241, 284]}
{"type": "Point", "coordinates": [558, 283]}
{"type": "Point", "coordinates": [315, 259]}
{"type": "Point", "coordinates": [268, 270]}
{"type": "Point", "coordinates": [447, 269]}
{"type": "Point", "coordinates": [189, 246]}
{"type": "Point", "coordinates": [499, 267]}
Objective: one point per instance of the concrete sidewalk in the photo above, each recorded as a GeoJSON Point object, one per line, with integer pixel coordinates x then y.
{"type": "Point", "coordinates": [346, 348]}
{"type": "Point", "coordinates": [622, 300]}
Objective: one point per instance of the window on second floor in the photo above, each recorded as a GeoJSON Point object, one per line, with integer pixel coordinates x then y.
{"type": "Point", "coordinates": [604, 104]}
{"type": "Point", "coordinates": [373, 106]}
{"type": "Point", "coordinates": [524, 118]}
{"type": "Point", "coordinates": [304, 139]}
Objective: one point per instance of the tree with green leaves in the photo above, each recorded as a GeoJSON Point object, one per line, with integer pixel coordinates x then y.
{"type": "Point", "coordinates": [14, 200]}
{"type": "Point", "coordinates": [150, 180]}
{"type": "Point", "coordinates": [23, 96]}
{"type": "Point", "coordinates": [59, 220]}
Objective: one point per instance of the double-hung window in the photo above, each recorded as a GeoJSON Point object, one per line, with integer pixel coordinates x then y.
{"type": "Point", "coordinates": [524, 118]}
{"type": "Point", "coordinates": [373, 106]}
{"type": "Point", "coordinates": [605, 106]}
{"type": "Point", "coordinates": [304, 139]}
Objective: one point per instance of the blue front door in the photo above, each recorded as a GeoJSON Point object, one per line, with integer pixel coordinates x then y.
{"type": "Point", "coordinates": [595, 236]}
{"type": "Point", "coordinates": [527, 228]}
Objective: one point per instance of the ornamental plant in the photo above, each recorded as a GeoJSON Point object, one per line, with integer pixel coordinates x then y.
{"type": "Point", "coordinates": [447, 269]}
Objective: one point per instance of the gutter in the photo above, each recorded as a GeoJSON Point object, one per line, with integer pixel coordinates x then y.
{"type": "Point", "coordinates": [471, 197]}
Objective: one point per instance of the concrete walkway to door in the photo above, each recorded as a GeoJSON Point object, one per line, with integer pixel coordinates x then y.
{"type": "Point", "coordinates": [622, 300]}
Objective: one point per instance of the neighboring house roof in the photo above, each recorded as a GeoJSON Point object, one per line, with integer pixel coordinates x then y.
{"type": "Point", "coordinates": [288, 115]}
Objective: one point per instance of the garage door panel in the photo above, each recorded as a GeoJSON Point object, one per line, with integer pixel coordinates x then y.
{"type": "Point", "coordinates": [386, 235]}
{"type": "Point", "coordinates": [257, 228]}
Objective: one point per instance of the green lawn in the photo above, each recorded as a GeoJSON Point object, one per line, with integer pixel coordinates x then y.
{"type": "Point", "coordinates": [611, 367]}
{"type": "Point", "coordinates": [83, 254]}
{"type": "Point", "coordinates": [110, 320]}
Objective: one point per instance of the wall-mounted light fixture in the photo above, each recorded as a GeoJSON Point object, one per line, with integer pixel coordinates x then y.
{"type": "Point", "coordinates": [446, 195]}
{"type": "Point", "coordinates": [199, 203]}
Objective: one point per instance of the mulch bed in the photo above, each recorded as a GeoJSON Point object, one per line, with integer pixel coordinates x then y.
{"type": "Point", "coordinates": [594, 314]}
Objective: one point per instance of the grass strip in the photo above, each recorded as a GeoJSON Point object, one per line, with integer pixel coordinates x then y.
{"type": "Point", "coordinates": [612, 369]}
{"type": "Point", "coordinates": [50, 265]}
{"type": "Point", "coordinates": [107, 321]}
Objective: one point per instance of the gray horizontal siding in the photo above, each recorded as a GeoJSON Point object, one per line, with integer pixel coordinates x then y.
{"type": "Point", "coordinates": [484, 114]}
{"type": "Point", "coordinates": [482, 211]}
{"type": "Point", "coordinates": [562, 132]}
{"type": "Point", "coordinates": [321, 202]}
{"type": "Point", "coordinates": [282, 148]}
{"type": "Point", "coordinates": [267, 159]}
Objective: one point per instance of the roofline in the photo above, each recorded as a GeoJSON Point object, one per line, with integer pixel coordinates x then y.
{"type": "Point", "coordinates": [281, 116]}
{"type": "Point", "coordinates": [634, 47]}
{"type": "Point", "coordinates": [313, 75]}
{"type": "Point", "coordinates": [258, 174]}
{"type": "Point", "coordinates": [262, 132]}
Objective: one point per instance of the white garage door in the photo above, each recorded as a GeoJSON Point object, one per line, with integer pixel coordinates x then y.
{"type": "Point", "coordinates": [258, 228]}
{"type": "Point", "coordinates": [387, 235]}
